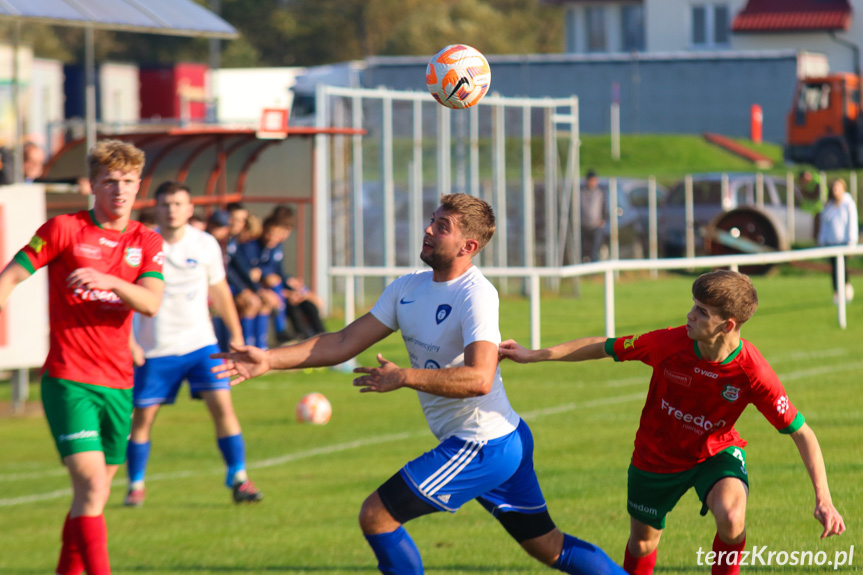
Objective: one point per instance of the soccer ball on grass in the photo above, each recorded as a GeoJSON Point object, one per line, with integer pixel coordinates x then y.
{"type": "Point", "coordinates": [458, 76]}
{"type": "Point", "coordinates": [314, 408]}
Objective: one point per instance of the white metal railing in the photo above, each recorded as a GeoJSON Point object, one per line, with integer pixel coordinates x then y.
{"type": "Point", "coordinates": [608, 268]}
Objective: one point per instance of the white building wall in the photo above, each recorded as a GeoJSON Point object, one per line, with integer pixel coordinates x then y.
{"type": "Point", "coordinates": [242, 93]}
{"type": "Point", "coordinates": [120, 88]}
{"type": "Point", "coordinates": [669, 23]}
{"type": "Point", "coordinates": [46, 97]}
{"type": "Point", "coordinates": [575, 26]}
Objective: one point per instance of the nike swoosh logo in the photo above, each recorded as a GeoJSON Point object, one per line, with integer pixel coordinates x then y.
{"type": "Point", "coordinates": [405, 301]}
{"type": "Point", "coordinates": [458, 85]}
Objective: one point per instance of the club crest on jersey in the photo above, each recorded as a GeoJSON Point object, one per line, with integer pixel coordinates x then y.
{"type": "Point", "coordinates": [443, 311]}
{"type": "Point", "coordinates": [37, 244]}
{"type": "Point", "coordinates": [630, 342]}
{"type": "Point", "coordinates": [731, 393]}
{"type": "Point", "coordinates": [133, 256]}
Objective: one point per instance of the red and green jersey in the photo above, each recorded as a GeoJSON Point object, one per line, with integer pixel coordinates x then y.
{"type": "Point", "coordinates": [692, 404]}
{"type": "Point", "coordinates": [90, 329]}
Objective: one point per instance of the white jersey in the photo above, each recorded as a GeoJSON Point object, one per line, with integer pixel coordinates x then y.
{"type": "Point", "coordinates": [438, 320]}
{"type": "Point", "coordinates": [183, 324]}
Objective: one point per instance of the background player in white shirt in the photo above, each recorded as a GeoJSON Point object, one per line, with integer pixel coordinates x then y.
{"type": "Point", "coordinates": [177, 343]}
{"type": "Point", "coordinates": [449, 322]}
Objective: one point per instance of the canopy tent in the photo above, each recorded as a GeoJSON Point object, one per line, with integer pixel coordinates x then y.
{"type": "Point", "coordinates": [169, 17]}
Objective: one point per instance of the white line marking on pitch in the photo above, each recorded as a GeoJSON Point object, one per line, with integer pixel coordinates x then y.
{"type": "Point", "coordinates": [528, 415]}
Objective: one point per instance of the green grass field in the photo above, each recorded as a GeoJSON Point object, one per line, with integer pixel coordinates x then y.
{"type": "Point", "coordinates": [583, 416]}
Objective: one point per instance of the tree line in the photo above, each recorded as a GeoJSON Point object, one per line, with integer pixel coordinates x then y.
{"type": "Point", "coordinates": [315, 32]}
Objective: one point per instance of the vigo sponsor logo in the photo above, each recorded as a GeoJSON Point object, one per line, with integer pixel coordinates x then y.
{"type": "Point", "coordinates": [678, 378]}
{"type": "Point", "coordinates": [641, 508]}
{"type": "Point", "coordinates": [107, 242]}
{"type": "Point", "coordinates": [630, 342]}
{"type": "Point", "coordinates": [699, 423]}
{"type": "Point", "coordinates": [89, 252]}
{"type": "Point", "coordinates": [98, 295]}
{"type": "Point", "coordinates": [83, 434]}
{"type": "Point", "coordinates": [782, 405]}
{"type": "Point", "coordinates": [709, 374]}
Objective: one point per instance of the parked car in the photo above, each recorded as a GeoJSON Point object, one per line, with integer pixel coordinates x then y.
{"type": "Point", "coordinates": [633, 220]}
{"type": "Point", "coordinates": [708, 203]}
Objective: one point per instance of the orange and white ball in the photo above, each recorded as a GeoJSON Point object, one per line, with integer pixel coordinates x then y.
{"type": "Point", "coordinates": [458, 76]}
{"type": "Point", "coordinates": [314, 408]}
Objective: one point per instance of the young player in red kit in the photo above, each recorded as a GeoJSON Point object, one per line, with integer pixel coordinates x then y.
{"type": "Point", "coordinates": [704, 376]}
{"type": "Point", "coordinates": [101, 267]}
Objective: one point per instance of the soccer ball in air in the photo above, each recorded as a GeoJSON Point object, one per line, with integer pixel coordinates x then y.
{"type": "Point", "coordinates": [314, 408]}
{"type": "Point", "coordinates": [458, 76]}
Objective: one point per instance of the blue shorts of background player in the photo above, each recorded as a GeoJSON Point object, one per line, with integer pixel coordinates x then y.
{"type": "Point", "coordinates": [158, 381]}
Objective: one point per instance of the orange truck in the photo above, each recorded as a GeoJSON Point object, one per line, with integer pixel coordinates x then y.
{"type": "Point", "coordinates": [824, 126]}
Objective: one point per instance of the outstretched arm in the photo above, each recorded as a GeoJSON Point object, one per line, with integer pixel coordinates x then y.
{"type": "Point", "coordinates": [807, 444]}
{"type": "Point", "coordinates": [246, 362]}
{"type": "Point", "coordinates": [575, 350]}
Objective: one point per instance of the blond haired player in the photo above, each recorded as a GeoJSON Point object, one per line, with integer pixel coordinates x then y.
{"type": "Point", "coordinates": [101, 267]}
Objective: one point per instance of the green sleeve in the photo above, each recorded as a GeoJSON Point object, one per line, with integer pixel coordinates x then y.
{"type": "Point", "coordinates": [22, 260]}
{"type": "Point", "coordinates": [609, 348]}
{"type": "Point", "coordinates": [798, 422]}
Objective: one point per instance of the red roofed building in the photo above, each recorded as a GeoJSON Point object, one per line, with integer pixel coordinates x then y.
{"type": "Point", "coordinates": [763, 16]}
{"type": "Point", "coordinates": [681, 26]}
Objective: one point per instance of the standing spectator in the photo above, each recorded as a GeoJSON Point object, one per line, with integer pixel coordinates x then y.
{"type": "Point", "coordinates": [839, 228]}
{"type": "Point", "coordinates": [177, 344]}
{"type": "Point", "coordinates": [449, 321]}
{"type": "Point", "coordinates": [102, 267]}
{"type": "Point", "coordinates": [594, 209]}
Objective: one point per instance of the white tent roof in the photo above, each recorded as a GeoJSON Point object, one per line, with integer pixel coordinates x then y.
{"type": "Point", "coordinates": [174, 17]}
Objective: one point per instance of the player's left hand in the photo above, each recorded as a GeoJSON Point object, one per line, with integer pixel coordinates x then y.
{"type": "Point", "coordinates": [829, 517]}
{"type": "Point", "coordinates": [88, 278]}
{"type": "Point", "coordinates": [381, 379]}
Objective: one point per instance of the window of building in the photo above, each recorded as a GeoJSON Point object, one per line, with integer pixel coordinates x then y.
{"type": "Point", "coordinates": [711, 25]}
{"type": "Point", "coordinates": [632, 28]}
{"type": "Point", "coordinates": [594, 19]}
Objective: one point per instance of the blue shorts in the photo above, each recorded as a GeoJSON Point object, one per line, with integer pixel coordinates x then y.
{"type": "Point", "coordinates": [498, 473]}
{"type": "Point", "coordinates": [158, 380]}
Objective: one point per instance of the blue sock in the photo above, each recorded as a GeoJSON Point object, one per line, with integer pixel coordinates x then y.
{"type": "Point", "coordinates": [222, 334]}
{"type": "Point", "coordinates": [233, 450]}
{"type": "Point", "coordinates": [396, 552]}
{"type": "Point", "coordinates": [280, 318]}
{"type": "Point", "coordinates": [262, 331]}
{"type": "Point", "coordinates": [582, 558]}
{"type": "Point", "coordinates": [137, 456]}
{"type": "Point", "coordinates": [248, 326]}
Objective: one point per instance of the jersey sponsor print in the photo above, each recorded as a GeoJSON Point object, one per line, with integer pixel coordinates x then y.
{"type": "Point", "coordinates": [692, 404]}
